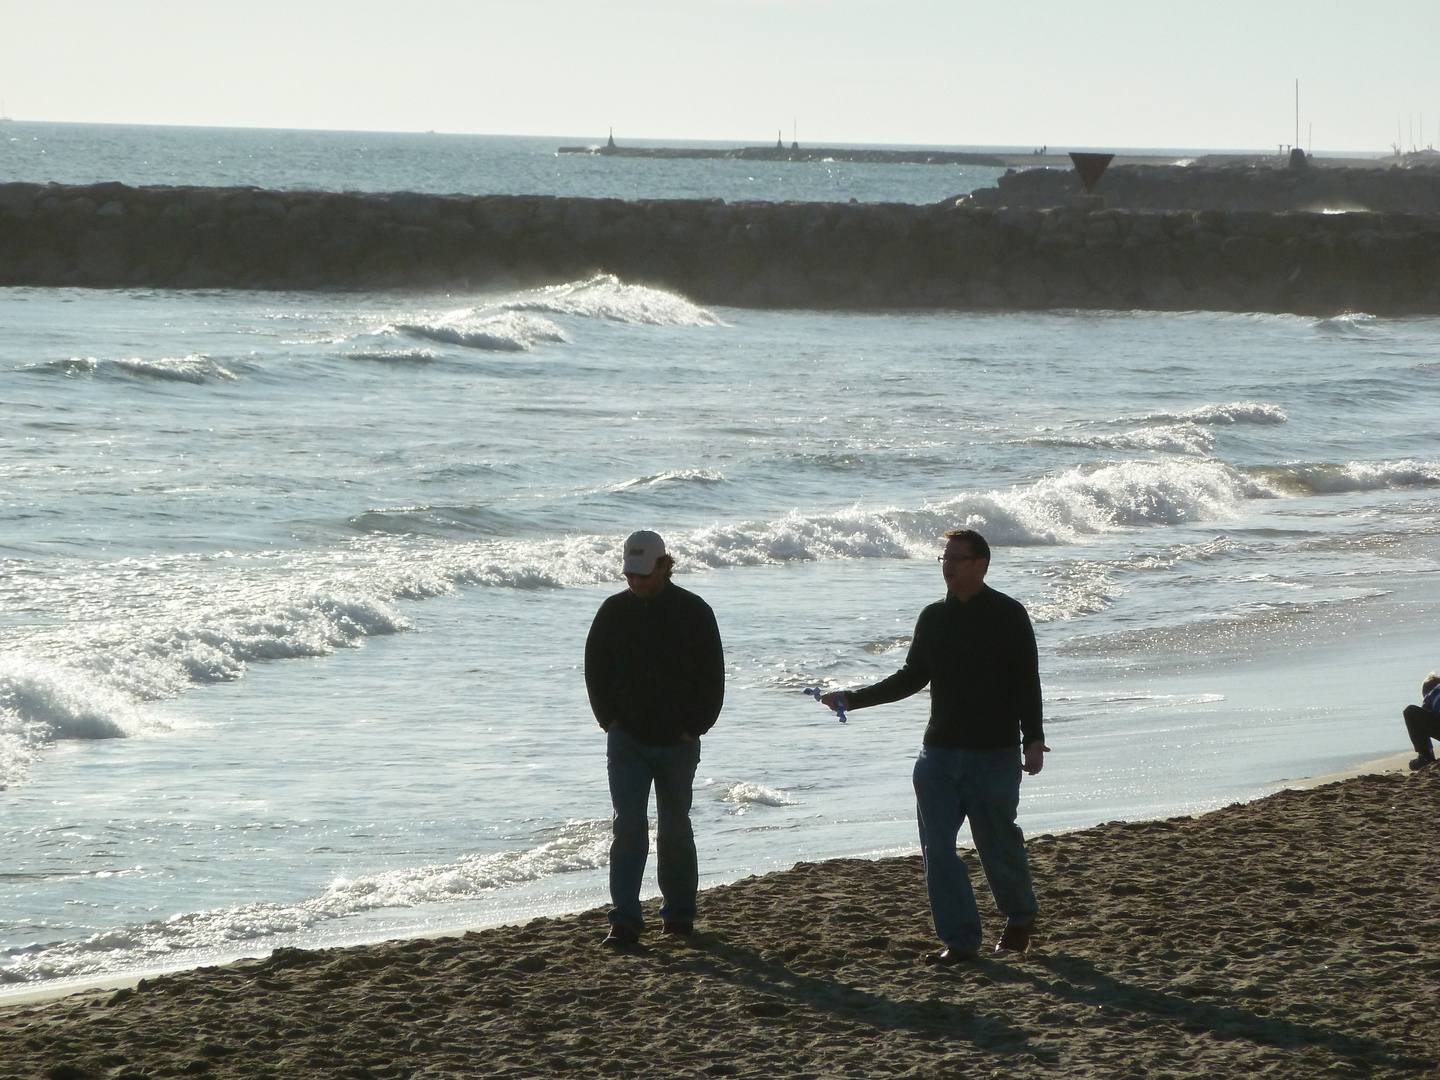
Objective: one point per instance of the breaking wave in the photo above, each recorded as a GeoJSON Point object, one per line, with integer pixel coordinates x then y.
{"type": "Point", "coordinates": [504, 332]}
{"type": "Point", "coordinates": [523, 321]}
{"type": "Point", "coordinates": [1323, 479]}
{"type": "Point", "coordinates": [199, 620]}
{"type": "Point", "coordinates": [1236, 412]}
{"type": "Point", "coordinates": [1184, 438]}
{"type": "Point", "coordinates": [89, 678]}
{"type": "Point", "coordinates": [746, 794]}
{"type": "Point", "coordinates": [194, 369]}
{"type": "Point", "coordinates": [1350, 325]}
{"type": "Point", "coordinates": [607, 297]}
{"type": "Point", "coordinates": [1168, 433]}
{"type": "Point", "coordinates": [44, 701]}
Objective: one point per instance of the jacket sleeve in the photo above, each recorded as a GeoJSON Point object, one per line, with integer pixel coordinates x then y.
{"type": "Point", "coordinates": [600, 671]}
{"type": "Point", "coordinates": [910, 679]}
{"type": "Point", "coordinates": [1027, 682]}
{"type": "Point", "coordinates": [709, 659]}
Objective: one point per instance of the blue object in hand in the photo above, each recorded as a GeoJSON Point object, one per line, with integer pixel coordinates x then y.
{"type": "Point", "coordinates": [817, 694]}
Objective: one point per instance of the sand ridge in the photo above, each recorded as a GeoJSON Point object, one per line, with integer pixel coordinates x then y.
{"type": "Point", "coordinates": [1296, 936]}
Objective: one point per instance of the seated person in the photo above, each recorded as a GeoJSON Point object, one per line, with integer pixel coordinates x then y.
{"type": "Point", "coordinates": [1423, 721]}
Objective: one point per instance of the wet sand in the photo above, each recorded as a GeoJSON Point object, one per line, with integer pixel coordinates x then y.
{"type": "Point", "coordinates": [1296, 936]}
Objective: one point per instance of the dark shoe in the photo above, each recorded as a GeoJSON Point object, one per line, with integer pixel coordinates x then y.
{"type": "Point", "coordinates": [950, 956]}
{"type": "Point", "coordinates": [1015, 939]}
{"type": "Point", "coordinates": [1424, 761]}
{"type": "Point", "coordinates": [621, 937]}
{"type": "Point", "coordinates": [683, 928]}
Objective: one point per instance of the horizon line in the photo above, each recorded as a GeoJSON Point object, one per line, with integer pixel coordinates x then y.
{"type": "Point", "coordinates": [1011, 149]}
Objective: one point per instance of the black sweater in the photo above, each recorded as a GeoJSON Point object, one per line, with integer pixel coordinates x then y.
{"type": "Point", "coordinates": [654, 668]}
{"type": "Point", "coordinates": [980, 660]}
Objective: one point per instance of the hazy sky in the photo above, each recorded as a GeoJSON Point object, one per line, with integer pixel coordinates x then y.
{"type": "Point", "coordinates": [1103, 73]}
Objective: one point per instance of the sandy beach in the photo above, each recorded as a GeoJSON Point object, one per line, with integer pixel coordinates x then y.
{"type": "Point", "coordinates": [1298, 935]}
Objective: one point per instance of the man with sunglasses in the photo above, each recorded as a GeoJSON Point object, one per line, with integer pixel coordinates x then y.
{"type": "Point", "coordinates": [655, 673]}
{"type": "Point", "coordinates": [976, 651]}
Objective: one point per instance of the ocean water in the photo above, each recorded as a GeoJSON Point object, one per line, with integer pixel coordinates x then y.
{"type": "Point", "coordinates": [445, 164]}
{"type": "Point", "coordinates": [294, 587]}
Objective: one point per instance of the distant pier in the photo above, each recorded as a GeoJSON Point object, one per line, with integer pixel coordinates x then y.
{"type": "Point", "coordinates": [793, 153]}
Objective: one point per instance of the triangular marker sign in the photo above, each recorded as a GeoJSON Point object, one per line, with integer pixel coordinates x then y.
{"type": "Point", "coordinates": [1091, 167]}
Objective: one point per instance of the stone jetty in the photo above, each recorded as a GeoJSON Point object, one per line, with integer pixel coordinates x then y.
{"type": "Point", "coordinates": [794, 152]}
{"type": "Point", "coordinates": [822, 255]}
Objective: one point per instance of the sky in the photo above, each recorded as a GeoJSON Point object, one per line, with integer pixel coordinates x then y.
{"type": "Point", "coordinates": [1023, 73]}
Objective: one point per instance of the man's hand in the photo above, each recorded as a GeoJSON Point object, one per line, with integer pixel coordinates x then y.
{"type": "Point", "coordinates": [1035, 757]}
{"type": "Point", "coordinates": [835, 698]}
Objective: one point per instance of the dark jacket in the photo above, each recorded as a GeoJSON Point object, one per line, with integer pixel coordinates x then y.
{"type": "Point", "coordinates": [654, 668]}
{"type": "Point", "coordinates": [979, 658]}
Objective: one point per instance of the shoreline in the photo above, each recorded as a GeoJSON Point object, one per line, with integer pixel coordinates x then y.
{"type": "Point", "coordinates": [56, 990]}
{"type": "Point", "coordinates": [1291, 936]}
{"type": "Point", "coordinates": [1390, 763]}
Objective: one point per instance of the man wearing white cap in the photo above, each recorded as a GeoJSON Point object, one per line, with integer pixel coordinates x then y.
{"type": "Point", "coordinates": [655, 673]}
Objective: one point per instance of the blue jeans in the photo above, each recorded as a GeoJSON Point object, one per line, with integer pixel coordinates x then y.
{"type": "Point", "coordinates": [984, 786]}
{"type": "Point", "coordinates": [633, 766]}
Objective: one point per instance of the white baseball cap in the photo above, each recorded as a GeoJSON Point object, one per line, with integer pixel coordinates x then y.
{"type": "Point", "coordinates": [642, 550]}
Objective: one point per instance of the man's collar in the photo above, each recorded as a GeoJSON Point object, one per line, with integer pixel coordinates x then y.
{"type": "Point", "coordinates": [978, 593]}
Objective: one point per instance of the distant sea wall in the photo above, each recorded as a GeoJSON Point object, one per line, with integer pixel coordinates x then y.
{"type": "Point", "coordinates": [824, 255]}
{"type": "Point", "coordinates": [793, 153]}
{"type": "Point", "coordinates": [1177, 187]}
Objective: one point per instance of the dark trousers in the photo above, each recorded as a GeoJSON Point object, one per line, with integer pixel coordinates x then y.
{"type": "Point", "coordinates": [634, 767]}
{"type": "Point", "coordinates": [1423, 725]}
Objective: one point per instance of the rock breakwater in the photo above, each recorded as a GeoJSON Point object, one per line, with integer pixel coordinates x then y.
{"type": "Point", "coordinates": [829, 255]}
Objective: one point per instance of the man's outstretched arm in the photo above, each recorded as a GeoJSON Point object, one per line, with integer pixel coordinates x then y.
{"type": "Point", "coordinates": [910, 679]}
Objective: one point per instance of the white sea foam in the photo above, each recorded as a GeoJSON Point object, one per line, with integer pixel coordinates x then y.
{"type": "Point", "coordinates": [506, 331]}
{"type": "Point", "coordinates": [747, 793]}
{"type": "Point", "coordinates": [195, 621]}
{"type": "Point", "coordinates": [1083, 501]}
{"type": "Point", "coordinates": [188, 627]}
{"type": "Point", "coordinates": [42, 701]}
{"type": "Point", "coordinates": [607, 297]}
{"type": "Point", "coordinates": [394, 356]}
{"type": "Point", "coordinates": [1181, 438]}
{"type": "Point", "coordinates": [572, 847]}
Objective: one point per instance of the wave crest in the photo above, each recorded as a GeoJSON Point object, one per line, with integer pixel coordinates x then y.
{"type": "Point", "coordinates": [672, 476]}
{"type": "Point", "coordinates": [1236, 412]}
{"type": "Point", "coordinates": [1183, 438]}
{"type": "Point", "coordinates": [606, 297]}
{"type": "Point", "coordinates": [195, 369]}
{"type": "Point", "coordinates": [1324, 479]}
{"type": "Point", "coordinates": [41, 702]}
{"type": "Point", "coordinates": [508, 331]}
